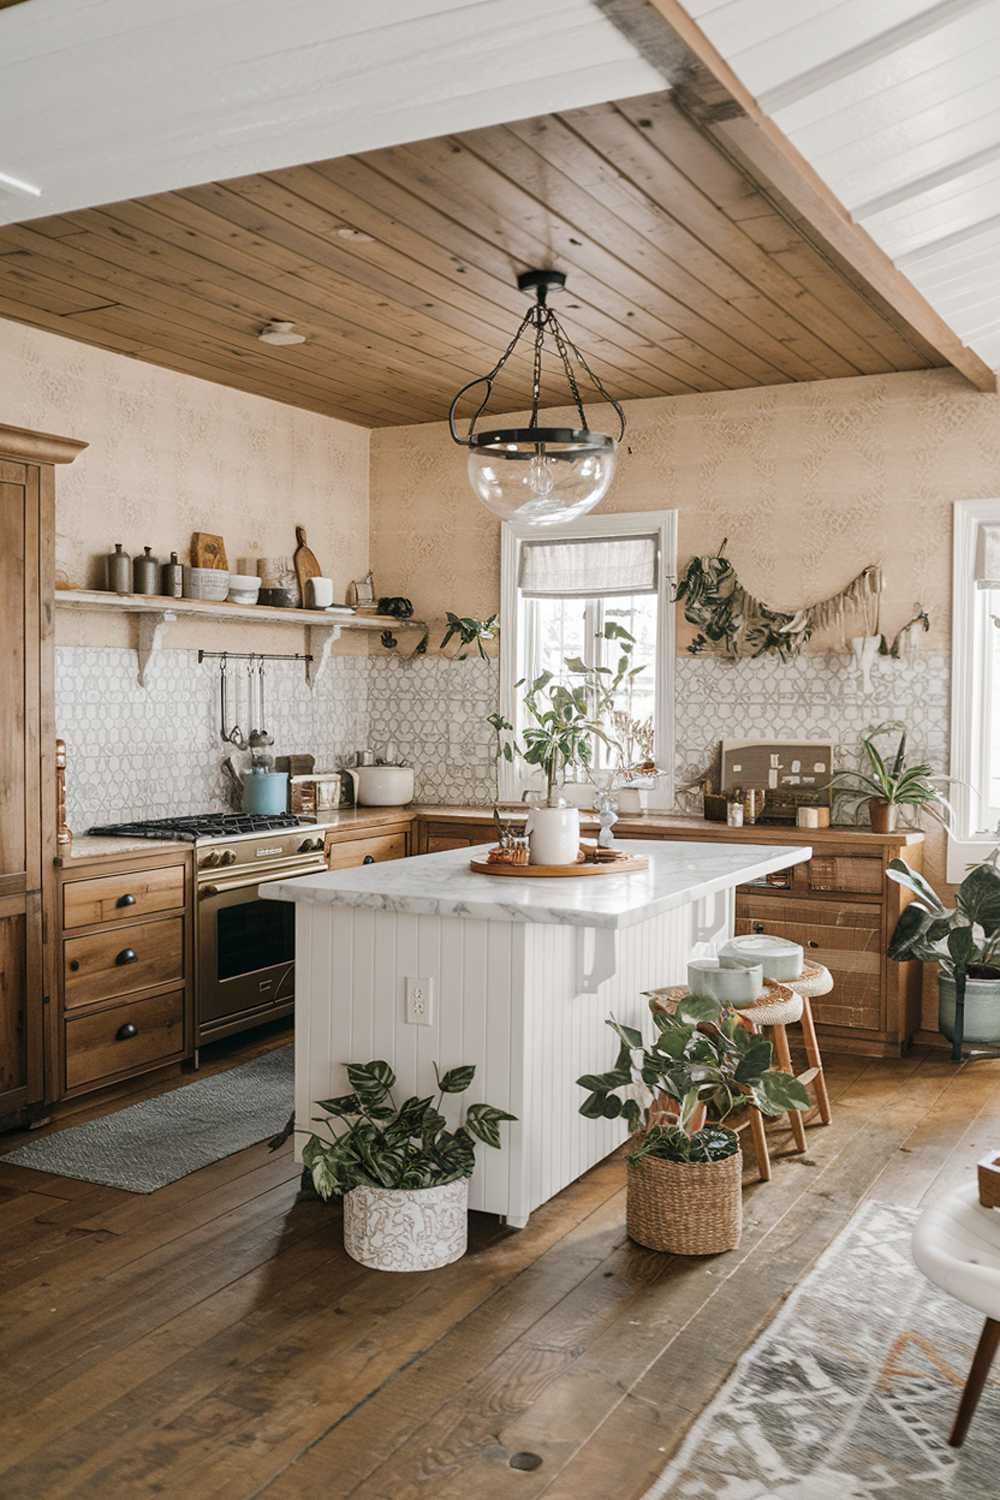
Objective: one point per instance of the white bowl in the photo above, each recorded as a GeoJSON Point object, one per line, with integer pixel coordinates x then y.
{"type": "Point", "coordinates": [384, 786]}
{"type": "Point", "coordinates": [738, 986]}
{"type": "Point", "coordinates": [206, 583]}
{"type": "Point", "coordinates": [244, 588]}
{"type": "Point", "coordinates": [780, 959]}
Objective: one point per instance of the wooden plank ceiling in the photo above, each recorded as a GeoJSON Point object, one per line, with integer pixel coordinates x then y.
{"type": "Point", "coordinates": [399, 266]}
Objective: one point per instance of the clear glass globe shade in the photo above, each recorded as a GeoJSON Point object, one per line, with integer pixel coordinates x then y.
{"type": "Point", "coordinates": [541, 488]}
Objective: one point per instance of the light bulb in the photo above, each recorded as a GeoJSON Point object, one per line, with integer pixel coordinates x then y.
{"type": "Point", "coordinates": [541, 477]}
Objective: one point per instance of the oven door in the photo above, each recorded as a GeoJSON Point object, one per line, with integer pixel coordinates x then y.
{"type": "Point", "coordinates": [246, 954]}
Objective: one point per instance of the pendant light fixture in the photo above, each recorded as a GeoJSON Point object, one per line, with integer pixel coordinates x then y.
{"type": "Point", "coordinates": [540, 476]}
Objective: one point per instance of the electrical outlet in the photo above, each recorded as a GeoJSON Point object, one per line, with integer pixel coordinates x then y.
{"type": "Point", "coordinates": [419, 1001]}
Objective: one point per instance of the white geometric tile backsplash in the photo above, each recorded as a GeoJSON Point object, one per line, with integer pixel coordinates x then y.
{"type": "Point", "coordinates": [135, 752]}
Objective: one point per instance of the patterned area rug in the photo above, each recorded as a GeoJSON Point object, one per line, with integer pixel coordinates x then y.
{"type": "Point", "coordinates": [851, 1391]}
{"type": "Point", "coordinates": [147, 1145]}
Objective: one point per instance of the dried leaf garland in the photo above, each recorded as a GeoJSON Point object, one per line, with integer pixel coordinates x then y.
{"type": "Point", "coordinates": [736, 624]}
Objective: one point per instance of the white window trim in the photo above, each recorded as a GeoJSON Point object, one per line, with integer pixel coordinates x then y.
{"type": "Point", "coordinates": [635, 523]}
{"type": "Point", "coordinates": [966, 847]}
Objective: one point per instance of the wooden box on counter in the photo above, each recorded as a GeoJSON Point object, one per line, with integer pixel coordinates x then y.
{"type": "Point", "coordinates": [838, 905]}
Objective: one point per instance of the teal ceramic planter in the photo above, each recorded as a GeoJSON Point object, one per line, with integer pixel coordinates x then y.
{"type": "Point", "coordinates": [982, 1010]}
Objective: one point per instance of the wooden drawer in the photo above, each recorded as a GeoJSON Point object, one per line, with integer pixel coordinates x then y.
{"type": "Point", "coordinates": [366, 851]}
{"type": "Point", "coordinates": [138, 1035]}
{"type": "Point", "coordinates": [102, 966]}
{"type": "Point", "coordinates": [846, 936]}
{"type": "Point", "coordinates": [112, 898]}
{"type": "Point", "coordinates": [855, 875]}
{"type": "Point", "coordinates": [441, 836]}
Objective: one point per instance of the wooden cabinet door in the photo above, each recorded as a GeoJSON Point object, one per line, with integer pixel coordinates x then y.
{"type": "Point", "coordinates": [21, 952]}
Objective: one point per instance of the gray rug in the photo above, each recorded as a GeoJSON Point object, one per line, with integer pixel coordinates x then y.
{"type": "Point", "coordinates": [851, 1392]}
{"type": "Point", "coordinates": [147, 1145]}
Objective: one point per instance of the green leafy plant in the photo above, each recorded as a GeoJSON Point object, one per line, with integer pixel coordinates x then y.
{"type": "Point", "coordinates": [470, 632]}
{"type": "Point", "coordinates": [699, 1056]}
{"type": "Point", "coordinates": [673, 1143]}
{"type": "Point", "coordinates": [396, 1146]}
{"type": "Point", "coordinates": [892, 781]}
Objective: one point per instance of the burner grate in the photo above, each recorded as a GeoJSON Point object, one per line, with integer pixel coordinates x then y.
{"type": "Point", "coordinates": [204, 826]}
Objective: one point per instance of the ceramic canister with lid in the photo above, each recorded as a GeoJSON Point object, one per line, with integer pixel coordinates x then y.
{"type": "Point", "coordinates": [145, 573]}
{"type": "Point", "coordinates": [780, 959]}
{"type": "Point", "coordinates": [119, 570]}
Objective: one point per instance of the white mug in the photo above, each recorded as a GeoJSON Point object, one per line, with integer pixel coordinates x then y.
{"type": "Point", "coordinates": [320, 591]}
{"type": "Point", "coordinates": [553, 835]}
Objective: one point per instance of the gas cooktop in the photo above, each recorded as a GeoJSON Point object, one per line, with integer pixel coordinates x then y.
{"type": "Point", "coordinates": [205, 826]}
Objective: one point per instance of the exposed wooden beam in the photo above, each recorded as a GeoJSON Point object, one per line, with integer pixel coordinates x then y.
{"type": "Point", "coordinates": [711, 92]}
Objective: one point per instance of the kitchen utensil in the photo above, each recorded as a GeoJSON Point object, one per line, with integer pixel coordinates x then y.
{"type": "Point", "coordinates": [145, 573]}
{"type": "Point", "coordinates": [234, 782]}
{"type": "Point", "coordinates": [205, 583]}
{"type": "Point", "coordinates": [243, 588]}
{"type": "Point", "coordinates": [259, 737]}
{"type": "Point", "coordinates": [385, 786]}
{"type": "Point", "coordinates": [232, 735]}
{"type": "Point", "coordinates": [319, 593]}
{"type": "Point", "coordinates": [119, 570]}
{"type": "Point", "coordinates": [172, 580]}
{"type": "Point", "coordinates": [208, 551]}
{"type": "Point", "coordinates": [277, 598]}
{"type": "Point", "coordinates": [306, 565]}
{"type": "Point", "coordinates": [265, 791]}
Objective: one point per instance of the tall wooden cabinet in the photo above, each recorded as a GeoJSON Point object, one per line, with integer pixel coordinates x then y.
{"type": "Point", "coordinates": [27, 751]}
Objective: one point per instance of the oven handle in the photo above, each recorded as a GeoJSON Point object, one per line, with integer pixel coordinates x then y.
{"type": "Point", "coordinates": [222, 887]}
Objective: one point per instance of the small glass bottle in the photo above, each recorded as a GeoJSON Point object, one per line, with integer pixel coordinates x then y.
{"type": "Point", "coordinates": [172, 586]}
{"type": "Point", "coordinates": [734, 808]}
{"type": "Point", "coordinates": [119, 570]}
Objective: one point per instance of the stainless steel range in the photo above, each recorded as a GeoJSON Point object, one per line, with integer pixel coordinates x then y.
{"type": "Point", "coordinates": [245, 947]}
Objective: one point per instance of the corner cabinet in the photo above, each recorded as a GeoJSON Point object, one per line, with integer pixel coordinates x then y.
{"type": "Point", "coordinates": [27, 758]}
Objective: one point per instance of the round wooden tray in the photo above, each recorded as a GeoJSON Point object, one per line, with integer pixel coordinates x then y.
{"type": "Point", "coordinates": [549, 872]}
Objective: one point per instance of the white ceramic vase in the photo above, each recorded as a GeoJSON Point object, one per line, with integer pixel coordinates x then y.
{"type": "Point", "coordinates": [404, 1229]}
{"type": "Point", "coordinates": [553, 835]}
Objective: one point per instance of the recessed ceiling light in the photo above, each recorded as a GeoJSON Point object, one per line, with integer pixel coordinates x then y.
{"type": "Point", "coordinates": [19, 186]}
{"type": "Point", "coordinates": [347, 232]}
{"type": "Point", "coordinates": [278, 332]}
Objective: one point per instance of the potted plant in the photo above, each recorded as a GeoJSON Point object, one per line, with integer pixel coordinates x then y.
{"type": "Point", "coordinates": [404, 1175]}
{"type": "Point", "coordinates": [887, 787]}
{"type": "Point", "coordinates": [964, 941]}
{"type": "Point", "coordinates": [675, 1094]}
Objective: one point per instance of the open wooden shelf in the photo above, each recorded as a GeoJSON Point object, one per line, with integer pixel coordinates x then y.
{"type": "Point", "coordinates": [155, 613]}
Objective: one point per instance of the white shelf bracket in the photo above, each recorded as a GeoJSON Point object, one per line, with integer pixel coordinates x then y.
{"type": "Point", "coordinates": [151, 629]}
{"type": "Point", "coordinates": [319, 644]}
{"type": "Point", "coordinates": [600, 963]}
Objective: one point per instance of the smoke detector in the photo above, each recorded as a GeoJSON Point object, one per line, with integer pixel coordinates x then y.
{"type": "Point", "coordinates": [278, 332]}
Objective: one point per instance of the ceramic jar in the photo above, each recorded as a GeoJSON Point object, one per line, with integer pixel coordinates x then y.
{"type": "Point", "coordinates": [553, 835]}
{"type": "Point", "coordinates": [402, 1229]}
{"type": "Point", "coordinates": [738, 986]}
{"type": "Point", "coordinates": [779, 958]}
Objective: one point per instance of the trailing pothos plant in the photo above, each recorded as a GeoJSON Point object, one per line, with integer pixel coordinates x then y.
{"type": "Point", "coordinates": [699, 1057]}
{"type": "Point", "coordinates": [387, 1145]}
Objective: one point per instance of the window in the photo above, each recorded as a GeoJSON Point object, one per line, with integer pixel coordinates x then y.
{"type": "Point", "coordinates": [975, 684]}
{"type": "Point", "coordinates": [561, 588]}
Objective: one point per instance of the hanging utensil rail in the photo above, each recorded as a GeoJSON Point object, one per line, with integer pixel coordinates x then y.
{"type": "Point", "coordinates": [250, 656]}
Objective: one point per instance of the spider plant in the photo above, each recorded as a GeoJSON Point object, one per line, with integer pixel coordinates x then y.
{"type": "Point", "coordinates": [891, 784]}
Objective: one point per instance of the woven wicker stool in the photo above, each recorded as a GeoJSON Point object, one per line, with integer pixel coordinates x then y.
{"type": "Point", "coordinates": [814, 980]}
{"type": "Point", "coordinates": [777, 1008]}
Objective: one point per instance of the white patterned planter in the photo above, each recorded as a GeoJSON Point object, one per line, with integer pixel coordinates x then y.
{"type": "Point", "coordinates": [402, 1229]}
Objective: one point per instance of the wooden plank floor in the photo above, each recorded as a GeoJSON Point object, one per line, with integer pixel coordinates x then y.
{"type": "Point", "coordinates": [213, 1339]}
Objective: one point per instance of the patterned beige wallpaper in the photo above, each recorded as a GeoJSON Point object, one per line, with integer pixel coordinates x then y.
{"type": "Point", "coordinates": [808, 482]}
{"type": "Point", "coordinates": [170, 454]}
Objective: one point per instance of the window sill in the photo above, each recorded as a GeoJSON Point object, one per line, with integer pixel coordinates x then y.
{"type": "Point", "coordinates": [964, 853]}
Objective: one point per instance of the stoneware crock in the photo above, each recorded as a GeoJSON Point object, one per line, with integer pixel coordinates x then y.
{"type": "Point", "coordinates": [554, 835]}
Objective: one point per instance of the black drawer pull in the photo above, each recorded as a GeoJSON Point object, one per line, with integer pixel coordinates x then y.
{"type": "Point", "coordinates": [757, 926]}
{"type": "Point", "coordinates": [127, 1032]}
{"type": "Point", "coordinates": [74, 964]}
{"type": "Point", "coordinates": [813, 943]}
{"type": "Point", "coordinates": [126, 956]}
{"type": "Point", "coordinates": [369, 859]}
{"type": "Point", "coordinates": [125, 901]}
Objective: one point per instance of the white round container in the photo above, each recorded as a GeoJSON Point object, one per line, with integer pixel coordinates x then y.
{"type": "Point", "coordinates": [243, 588]}
{"type": "Point", "coordinates": [779, 958]}
{"type": "Point", "coordinates": [384, 786]}
{"type": "Point", "coordinates": [205, 583]}
{"type": "Point", "coordinates": [402, 1229]}
{"type": "Point", "coordinates": [738, 986]}
{"type": "Point", "coordinates": [553, 835]}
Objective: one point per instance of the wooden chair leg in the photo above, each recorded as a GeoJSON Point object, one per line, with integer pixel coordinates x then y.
{"type": "Point", "coordinates": [989, 1341]}
{"type": "Point", "coordinates": [759, 1137]}
{"type": "Point", "coordinates": [815, 1061]}
{"type": "Point", "coordinates": [783, 1059]}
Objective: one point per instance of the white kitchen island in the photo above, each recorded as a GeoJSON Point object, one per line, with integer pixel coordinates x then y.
{"type": "Point", "coordinates": [513, 975]}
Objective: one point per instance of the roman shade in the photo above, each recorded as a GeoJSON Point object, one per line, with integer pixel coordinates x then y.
{"type": "Point", "coordinates": [589, 567]}
{"type": "Point", "coordinates": [988, 556]}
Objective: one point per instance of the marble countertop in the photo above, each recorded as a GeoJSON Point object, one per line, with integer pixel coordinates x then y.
{"type": "Point", "coordinates": [443, 885]}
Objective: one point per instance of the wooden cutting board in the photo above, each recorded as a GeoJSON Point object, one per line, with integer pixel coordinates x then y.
{"type": "Point", "coordinates": [208, 551]}
{"type": "Point", "coordinates": [306, 566]}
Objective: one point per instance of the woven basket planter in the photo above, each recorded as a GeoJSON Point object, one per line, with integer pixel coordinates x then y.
{"type": "Point", "coordinates": [686, 1208]}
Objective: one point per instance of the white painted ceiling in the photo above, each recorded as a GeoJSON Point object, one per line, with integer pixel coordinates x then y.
{"type": "Point", "coordinates": [896, 104]}
{"type": "Point", "coordinates": [102, 100]}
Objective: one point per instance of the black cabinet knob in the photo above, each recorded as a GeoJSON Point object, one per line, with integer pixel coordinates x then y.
{"type": "Point", "coordinates": [74, 964]}
{"type": "Point", "coordinates": [369, 859]}
{"type": "Point", "coordinates": [813, 943]}
{"type": "Point", "coordinates": [127, 1032]}
{"type": "Point", "coordinates": [126, 956]}
{"type": "Point", "coordinates": [125, 901]}
{"type": "Point", "coordinates": [758, 926]}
